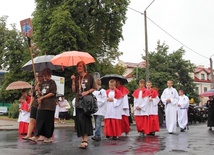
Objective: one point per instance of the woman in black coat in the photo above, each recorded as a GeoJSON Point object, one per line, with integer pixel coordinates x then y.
{"type": "Point", "coordinates": [210, 105]}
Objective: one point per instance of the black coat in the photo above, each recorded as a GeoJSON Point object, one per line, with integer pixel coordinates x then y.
{"type": "Point", "coordinates": [210, 105]}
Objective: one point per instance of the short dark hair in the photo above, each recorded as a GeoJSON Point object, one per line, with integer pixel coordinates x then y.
{"type": "Point", "coordinates": [47, 71]}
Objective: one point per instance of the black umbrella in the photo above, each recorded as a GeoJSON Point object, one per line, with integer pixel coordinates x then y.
{"type": "Point", "coordinates": [105, 79]}
{"type": "Point", "coordinates": [40, 63]}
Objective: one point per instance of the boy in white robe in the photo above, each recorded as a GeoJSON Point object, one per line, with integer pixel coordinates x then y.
{"type": "Point", "coordinates": [113, 115]}
{"type": "Point", "coordinates": [141, 111]}
{"type": "Point", "coordinates": [153, 109]}
{"type": "Point", "coordinates": [183, 104]}
{"type": "Point", "coordinates": [170, 98]}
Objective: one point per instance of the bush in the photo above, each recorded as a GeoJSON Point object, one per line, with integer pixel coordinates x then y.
{"type": "Point", "coordinates": [13, 111]}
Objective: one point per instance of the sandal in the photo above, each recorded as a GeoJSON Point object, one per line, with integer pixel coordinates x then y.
{"type": "Point", "coordinates": [83, 145]}
{"type": "Point", "coordinates": [25, 138]}
{"type": "Point", "coordinates": [33, 139]}
{"type": "Point", "coordinates": [48, 140]}
{"type": "Point", "coordinates": [41, 138]}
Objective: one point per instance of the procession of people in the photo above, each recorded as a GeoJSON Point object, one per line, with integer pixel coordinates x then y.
{"type": "Point", "coordinates": [112, 108]}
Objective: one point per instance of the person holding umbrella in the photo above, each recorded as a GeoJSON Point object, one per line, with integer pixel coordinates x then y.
{"type": "Point", "coordinates": [83, 86]}
{"type": "Point", "coordinates": [34, 106]}
{"type": "Point", "coordinates": [46, 108]}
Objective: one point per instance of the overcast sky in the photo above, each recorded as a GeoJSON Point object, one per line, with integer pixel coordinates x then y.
{"type": "Point", "coordinates": [188, 21]}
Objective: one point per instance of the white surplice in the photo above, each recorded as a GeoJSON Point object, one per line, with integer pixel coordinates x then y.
{"type": "Point", "coordinates": [182, 111]}
{"type": "Point", "coordinates": [153, 106]}
{"type": "Point", "coordinates": [24, 116]}
{"type": "Point", "coordinates": [142, 103]}
{"type": "Point", "coordinates": [125, 106]}
{"type": "Point", "coordinates": [170, 108]}
{"type": "Point", "coordinates": [101, 101]}
{"type": "Point", "coordinates": [113, 109]}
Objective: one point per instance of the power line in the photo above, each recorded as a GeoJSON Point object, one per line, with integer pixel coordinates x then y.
{"type": "Point", "coordinates": [170, 34]}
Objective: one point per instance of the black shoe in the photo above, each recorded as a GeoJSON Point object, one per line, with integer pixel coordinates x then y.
{"type": "Point", "coordinates": [152, 133]}
{"type": "Point", "coordinates": [170, 132]}
{"type": "Point", "coordinates": [182, 130]}
{"type": "Point", "coordinates": [210, 129]}
{"type": "Point", "coordinates": [96, 138]}
{"type": "Point", "coordinates": [108, 137]}
{"type": "Point", "coordinates": [114, 138]}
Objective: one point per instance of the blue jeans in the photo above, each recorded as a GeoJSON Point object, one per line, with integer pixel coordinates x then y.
{"type": "Point", "coordinates": [98, 123]}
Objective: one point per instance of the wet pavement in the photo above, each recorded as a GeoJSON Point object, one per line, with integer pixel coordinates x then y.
{"type": "Point", "coordinates": [197, 140]}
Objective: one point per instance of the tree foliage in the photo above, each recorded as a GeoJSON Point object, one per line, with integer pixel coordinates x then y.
{"type": "Point", "coordinates": [83, 25]}
{"type": "Point", "coordinates": [13, 55]}
{"type": "Point", "coordinates": [92, 26]}
{"type": "Point", "coordinates": [165, 66]}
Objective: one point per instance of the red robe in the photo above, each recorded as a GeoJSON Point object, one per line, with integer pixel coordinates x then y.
{"type": "Point", "coordinates": [153, 119]}
{"type": "Point", "coordinates": [23, 126]}
{"type": "Point", "coordinates": [125, 119]}
{"type": "Point", "coordinates": [142, 121]}
{"type": "Point", "coordinates": [112, 126]}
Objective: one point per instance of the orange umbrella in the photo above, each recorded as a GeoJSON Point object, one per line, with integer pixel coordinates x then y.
{"type": "Point", "coordinates": [18, 85]}
{"type": "Point", "coordinates": [71, 58]}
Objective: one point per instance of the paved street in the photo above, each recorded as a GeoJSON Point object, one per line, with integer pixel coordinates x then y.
{"type": "Point", "coordinates": [196, 141]}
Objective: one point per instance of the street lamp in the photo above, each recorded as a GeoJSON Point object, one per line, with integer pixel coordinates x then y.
{"type": "Point", "coordinates": [146, 43]}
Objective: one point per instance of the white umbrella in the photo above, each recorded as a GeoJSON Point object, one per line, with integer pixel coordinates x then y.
{"type": "Point", "coordinates": [40, 63]}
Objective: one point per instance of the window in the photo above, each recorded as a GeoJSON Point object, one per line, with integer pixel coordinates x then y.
{"type": "Point", "coordinates": [205, 89]}
{"type": "Point", "coordinates": [202, 77]}
{"type": "Point", "coordinates": [197, 90]}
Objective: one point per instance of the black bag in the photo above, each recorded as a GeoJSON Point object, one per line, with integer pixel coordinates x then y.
{"type": "Point", "coordinates": [89, 104]}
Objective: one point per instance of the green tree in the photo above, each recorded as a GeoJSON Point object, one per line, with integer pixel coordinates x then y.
{"type": "Point", "coordinates": [170, 66]}
{"type": "Point", "coordinates": [14, 53]}
{"type": "Point", "coordinates": [82, 25]}
{"type": "Point", "coordinates": [92, 26]}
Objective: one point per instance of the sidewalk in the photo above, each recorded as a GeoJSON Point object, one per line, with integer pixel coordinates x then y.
{"type": "Point", "coordinates": [14, 125]}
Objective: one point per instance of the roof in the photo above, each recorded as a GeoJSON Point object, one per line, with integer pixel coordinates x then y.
{"type": "Point", "coordinates": [141, 64]}
{"type": "Point", "coordinates": [199, 69]}
{"type": "Point", "coordinates": [199, 80]}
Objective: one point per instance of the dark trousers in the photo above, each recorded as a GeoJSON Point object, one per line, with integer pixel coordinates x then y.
{"type": "Point", "coordinates": [44, 123]}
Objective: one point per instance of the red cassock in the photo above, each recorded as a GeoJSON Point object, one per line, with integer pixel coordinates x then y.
{"type": "Point", "coordinates": [112, 126]}
{"type": "Point", "coordinates": [23, 126]}
{"type": "Point", "coordinates": [142, 120]}
{"type": "Point", "coordinates": [142, 124]}
{"type": "Point", "coordinates": [153, 119]}
{"type": "Point", "coordinates": [125, 119]}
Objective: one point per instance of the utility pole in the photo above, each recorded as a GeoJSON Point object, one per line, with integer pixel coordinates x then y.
{"type": "Point", "coordinates": [146, 47]}
{"type": "Point", "coordinates": [211, 74]}
{"type": "Point", "coordinates": [146, 43]}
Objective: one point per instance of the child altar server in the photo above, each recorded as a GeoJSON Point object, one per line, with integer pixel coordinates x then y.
{"type": "Point", "coordinates": [141, 113]}
{"type": "Point", "coordinates": [153, 109]}
{"type": "Point", "coordinates": [113, 115]}
{"type": "Point", "coordinates": [24, 116]}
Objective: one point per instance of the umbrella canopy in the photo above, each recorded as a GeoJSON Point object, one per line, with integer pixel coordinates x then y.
{"type": "Point", "coordinates": [40, 63]}
{"type": "Point", "coordinates": [105, 79]}
{"type": "Point", "coordinates": [18, 85]}
{"type": "Point", "coordinates": [207, 93]}
{"type": "Point", "coordinates": [71, 58]}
